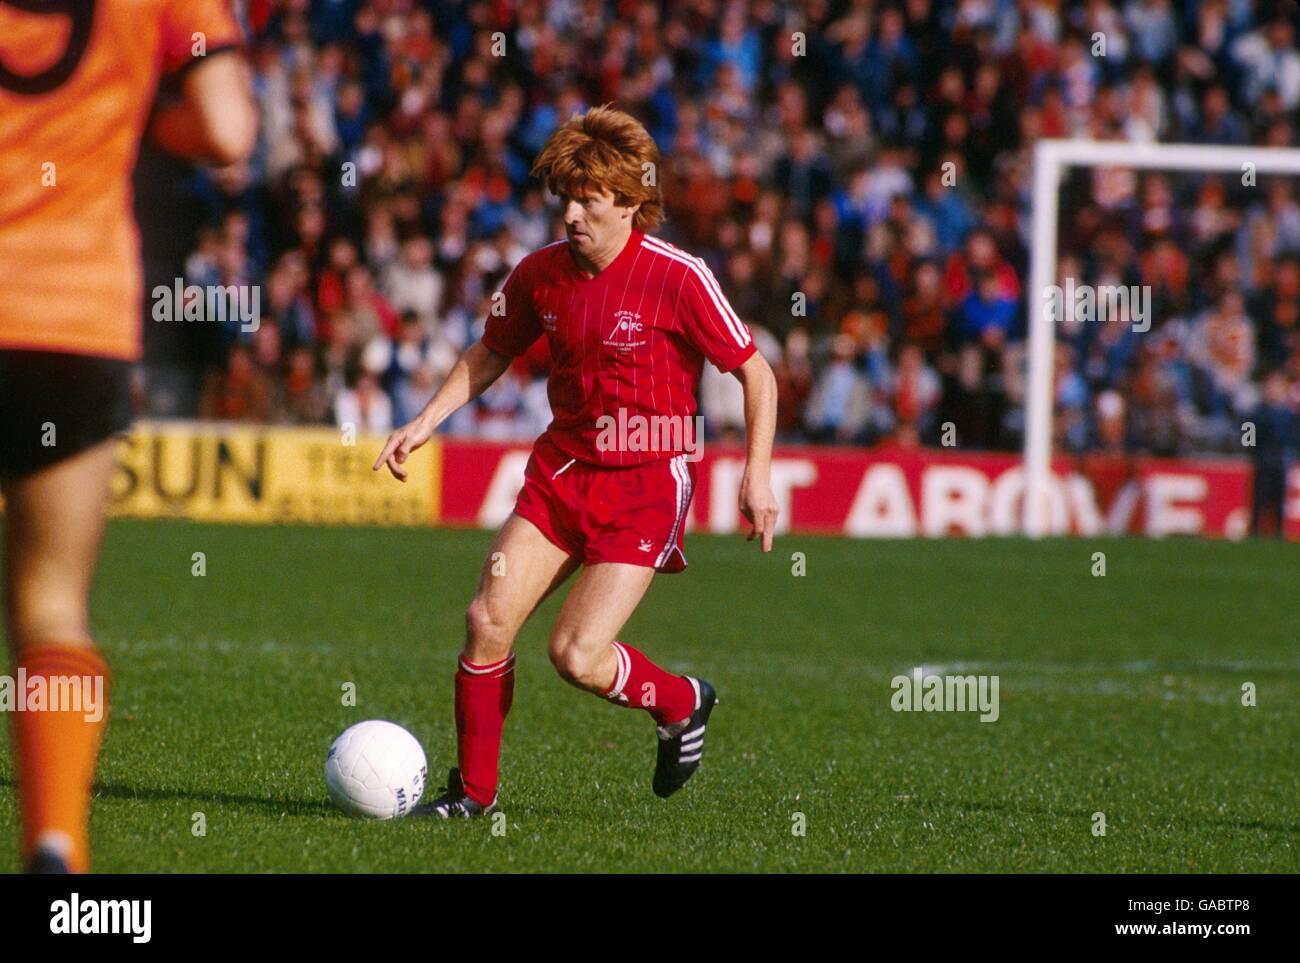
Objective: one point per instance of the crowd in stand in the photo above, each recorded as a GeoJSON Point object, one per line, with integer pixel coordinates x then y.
{"type": "Point", "coordinates": [857, 174]}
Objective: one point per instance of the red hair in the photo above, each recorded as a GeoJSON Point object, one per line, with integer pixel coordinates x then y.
{"type": "Point", "coordinates": [608, 150]}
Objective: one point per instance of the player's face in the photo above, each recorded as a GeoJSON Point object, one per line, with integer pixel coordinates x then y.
{"type": "Point", "coordinates": [594, 223]}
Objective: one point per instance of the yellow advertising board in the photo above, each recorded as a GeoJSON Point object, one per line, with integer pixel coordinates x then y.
{"type": "Point", "coordinates": [269, 475]}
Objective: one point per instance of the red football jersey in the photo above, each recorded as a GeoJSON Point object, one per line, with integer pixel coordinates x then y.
{"type": "Point", "coordinates": [627, 345]}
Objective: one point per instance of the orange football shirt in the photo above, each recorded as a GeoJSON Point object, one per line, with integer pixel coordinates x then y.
{"type": "Point", "coordinates": [77, 81]}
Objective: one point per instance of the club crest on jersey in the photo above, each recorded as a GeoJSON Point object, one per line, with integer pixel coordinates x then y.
{"type": "Point", "coordinates": [548, 320]}
{"type": "Point", "coordinates": [627, 331]}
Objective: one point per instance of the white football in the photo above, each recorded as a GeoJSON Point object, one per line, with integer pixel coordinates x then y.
{"type": "Point", "coordinates": [376, 769]}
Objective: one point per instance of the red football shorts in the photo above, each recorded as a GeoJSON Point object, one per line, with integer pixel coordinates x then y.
{"type": "Point", "coordinates": [635, 515]}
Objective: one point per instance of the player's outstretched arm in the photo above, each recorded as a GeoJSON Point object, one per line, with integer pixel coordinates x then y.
{"type": "Point", "coordinates": [214, 120]}
{"type": "Point", "coordinates": [477, 368]}
{"type": "Point", "coordinates": [757, 503]}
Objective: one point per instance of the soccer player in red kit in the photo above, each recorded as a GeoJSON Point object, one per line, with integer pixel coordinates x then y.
{"type": "Point", "coordinates": [629, 321]}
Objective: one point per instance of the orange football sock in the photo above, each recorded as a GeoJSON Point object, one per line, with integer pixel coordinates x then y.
{"type": "Point", "coordinates": [59, 714]}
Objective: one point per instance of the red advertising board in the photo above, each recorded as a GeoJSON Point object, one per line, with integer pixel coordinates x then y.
{"type": "Point", "coordinates": [902, 493]}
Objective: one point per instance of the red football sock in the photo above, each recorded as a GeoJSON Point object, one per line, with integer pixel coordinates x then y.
{"type": "Point", "coordinates": [640, 684]}
{"type": "Point", "coordinates": [483, 697]}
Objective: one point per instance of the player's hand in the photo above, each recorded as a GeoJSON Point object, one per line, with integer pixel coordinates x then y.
{"type": "Point", "coordinates": [760, 509]}
{"type": "Point", "coordinates": [400, 445]}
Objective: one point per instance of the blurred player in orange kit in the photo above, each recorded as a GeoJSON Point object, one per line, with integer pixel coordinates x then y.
{"type": "Point", "coordinates": [77, 82]}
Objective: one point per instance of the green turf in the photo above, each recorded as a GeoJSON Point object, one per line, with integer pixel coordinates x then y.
{"type": "Point", "coordinates": [1119, 695]}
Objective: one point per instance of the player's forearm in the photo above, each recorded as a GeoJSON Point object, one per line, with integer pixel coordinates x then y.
{"type": "Point", "coordinates": [759, 385]}
{"type": "Point", "coordinates": [472, 374]}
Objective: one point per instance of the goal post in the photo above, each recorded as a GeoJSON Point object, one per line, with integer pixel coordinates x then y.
{"type": "Point", "coordinates": [1051, 160]}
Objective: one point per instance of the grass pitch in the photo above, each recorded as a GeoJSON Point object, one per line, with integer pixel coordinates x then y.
{"type": "Point", "coordinates": [1119, 695]}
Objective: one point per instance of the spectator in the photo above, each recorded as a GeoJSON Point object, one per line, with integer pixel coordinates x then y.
{"type": "Point", "coordinates": [917, 392]}
{"type": "Point", "coordinates": [794, 384]}
{"type": "Point", "coordinates": [1222, 352]}
{"type": "Point", "coordinates": [1069, 420]}
{"type": "Point", "coordinates": [240, 392]}
{"type": "Point", "coordinates": [986, 314]}
{"type": "Point", "coordinates": [840, 403]}
{"type": "Point", "coordinates": [364, 406]}
{"type": "Point", "coordinates": [1269, 60]}
{"type": "Point", "coordinates": [803, 176]}
{"type": "Point", "coordinates": [411, 367]}
{"type": "Point", "coordinates": [369, 311]}
{"type": "Point", "coordinates": [1277, 438]}
{"type": "Point", "coordinates": [412, 284]}
{"type": "Point", "coordinates": [925, 316]}
{"type": "Point", "coordinates": [1111, 427]}
{"type": "Point", "coordinates": [302, 398]}
{"type": "Point", "coordinates": [722, 403]}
